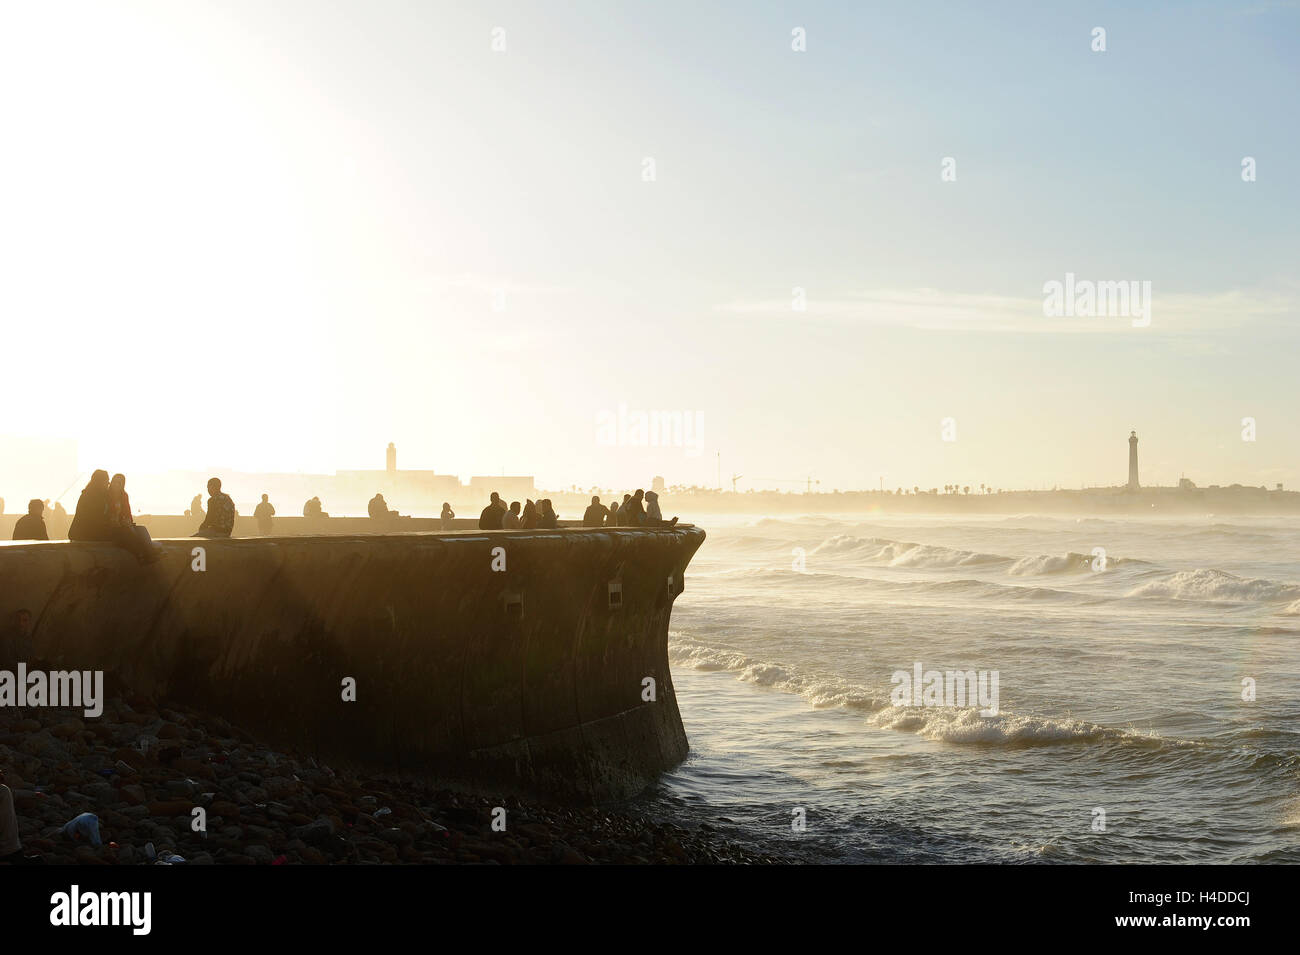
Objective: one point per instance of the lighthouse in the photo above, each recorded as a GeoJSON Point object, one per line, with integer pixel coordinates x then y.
{"type": "Point", "coordinates": [1133, 461]}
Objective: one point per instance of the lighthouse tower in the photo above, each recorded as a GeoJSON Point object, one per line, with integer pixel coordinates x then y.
{"type": "Point", "coordinates": [1133, 461]}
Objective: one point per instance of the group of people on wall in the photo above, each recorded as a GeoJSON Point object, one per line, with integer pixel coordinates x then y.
{"type": "Point", "coordinates": [637, 510]}
{"type": "Point", "coordinates": [104, 514]}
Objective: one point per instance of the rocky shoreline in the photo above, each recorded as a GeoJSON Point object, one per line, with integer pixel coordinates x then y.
{"type": "Point", "coordinates": [144, 768]}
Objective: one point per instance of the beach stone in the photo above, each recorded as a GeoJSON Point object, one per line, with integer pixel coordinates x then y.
{"type": "Point", "coordinates": [260, 854]}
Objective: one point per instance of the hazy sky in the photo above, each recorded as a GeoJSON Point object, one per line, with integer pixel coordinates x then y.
{"type": "Point", "coordinates": [279, 235]}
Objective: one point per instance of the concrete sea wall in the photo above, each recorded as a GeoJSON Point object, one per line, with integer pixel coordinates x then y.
{"type": "Point", "coordinates": [527, 679]}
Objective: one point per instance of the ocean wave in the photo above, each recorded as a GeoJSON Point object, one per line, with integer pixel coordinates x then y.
{"type": "Point", "coordinates": [906, 554]}
{"type": "Point", "coordinates": [882, 550]}
{"type": "Point", "coordinates": [1069, 563]}
{"type": "Point", "coordinates": [1217, 585]}
{"type": "Point", "coordinates": [964, 588]}
{"type": "Point", "coordinates": [820, 691]}
{"type": "Point", "coordinates": [966, 725]}
{"type": "Point", "coordinates": [958, 725]}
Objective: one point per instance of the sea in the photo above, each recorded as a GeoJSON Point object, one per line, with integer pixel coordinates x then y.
{"type": "Point", "coordinates": [1147, 689]}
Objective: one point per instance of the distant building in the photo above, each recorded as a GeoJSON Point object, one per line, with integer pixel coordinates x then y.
{"type": "Point", "coordinates": [1133, 461]}
{"type": "Point", "coordinates": [657, 484]}
{"type": "Point", "coordinates": [405, 491]}
{"type": "Point", "coordinates": [1185, 485]}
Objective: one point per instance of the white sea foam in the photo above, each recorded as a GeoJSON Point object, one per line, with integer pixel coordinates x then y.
{"type": "Point", "coordinates": [880, 550]}
{"type": "Point", "coordinates": [1209, 584]}
{"type": "Point", "coordinates": [820, 691]}
{"type": "Point", "coordinates": [960, 725]}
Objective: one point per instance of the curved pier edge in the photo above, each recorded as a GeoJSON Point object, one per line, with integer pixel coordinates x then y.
{"type": "Point", "coordinates": [511, 662]}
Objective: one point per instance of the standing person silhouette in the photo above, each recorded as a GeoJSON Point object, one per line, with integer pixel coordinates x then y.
{"type": "Point", "coordinates": [263, 514]}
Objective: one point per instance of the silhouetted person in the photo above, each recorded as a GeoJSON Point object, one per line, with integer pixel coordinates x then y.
{"type": "Point", "coordinates": [528, 520]}
{"type": "Point", "coordinates": [546, 517]}
{"type": "Point", "coordinates": [623, 516]}
{"type": "Point", "coordinates": [511, 520]}
{"type": "Point", "coordinates": [196, 506]}
{"type": "Point", "coordinates": [221, 512]}
{"type": "Point", "coordinates": [263, 514]}
{"type": "Point", "coordinates": [596, 514]}
{"type": "Point", "coordinates": [31, 526]}
{"type": "Point", "coordinates": [653, 516]}
{"type": "Point", "coordinates": [447, 516]}
{"type": "Point", "coordinates": [59, 522]}
{"type": "Point", "coordinates": [119, 503]}
{"type": "Point", "coordinates": [313, 509]}
{"type": "Point", "coordinates": [16, 645]}
{"type": "Point", "coordinates": [378, 509]}
{"type": "Point", "coordinates": [633, 513]}
{"type": "Point", "coordinates": [90, 521]}
{"type": "Point", "coordinates": [490, 519]}
{"type": "Point", "coordinates": [124, 531]}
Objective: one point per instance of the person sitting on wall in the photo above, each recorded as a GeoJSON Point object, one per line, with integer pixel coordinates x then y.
{"type": "Point", "coordinates": [378, 509]}
{"type": "Point", "coordinates": [624, 512]}
{"type": "Point", "coordinates": [99, 518]}
{"type": "Point", "coordinates": [313, 509]}
{"type": "Point", "coordinates": [221, 512]}
{"type": "Point", "coordinates": [596, 514]}
{"type": "Point", "coordinates": [447, 516]}
{"type": "Point", "coordinates": [263, 514]}
{"type": "Point", "coordinates": [196, 507]}
{"type": "Point", "coordinates": [11, 847]}
{"type": "Point", "coordinates": [90, 519]}
{"type": "Point", "coordinates": [125, 532]}
{"type": "Point", "coordinates": [490, 519]}
{"type": "Point", "coordinates": [31, 526]}
{"type": "Point", "coordinates": [653, 516]}
{"type": "Point", "coordinates": [634, 514]}
{"type": "Point", "coordinates": [547, 518]}
{"type": "Point", "coordinates": [528, 520]}
{"type": "Point", "coordinates": [510, 520]}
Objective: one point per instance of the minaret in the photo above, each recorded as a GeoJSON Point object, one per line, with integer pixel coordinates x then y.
{"type": "Point", "coordinates": [1133, 461]}
{"type": "Point", "coordinates": [392, 458]}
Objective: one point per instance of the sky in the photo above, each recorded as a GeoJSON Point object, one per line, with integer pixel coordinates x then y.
{"type": "Point", "coordinates": [275, 236]}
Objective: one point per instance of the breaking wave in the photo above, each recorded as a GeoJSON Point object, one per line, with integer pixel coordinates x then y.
{"type": "Point", "coordinates": [960, 725]}
{"type": "Point", "coordinates": [1209, 584]}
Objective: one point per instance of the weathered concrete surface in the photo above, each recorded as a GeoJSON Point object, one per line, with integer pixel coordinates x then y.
{"type": "Point", "coordinates": [524, 680]}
